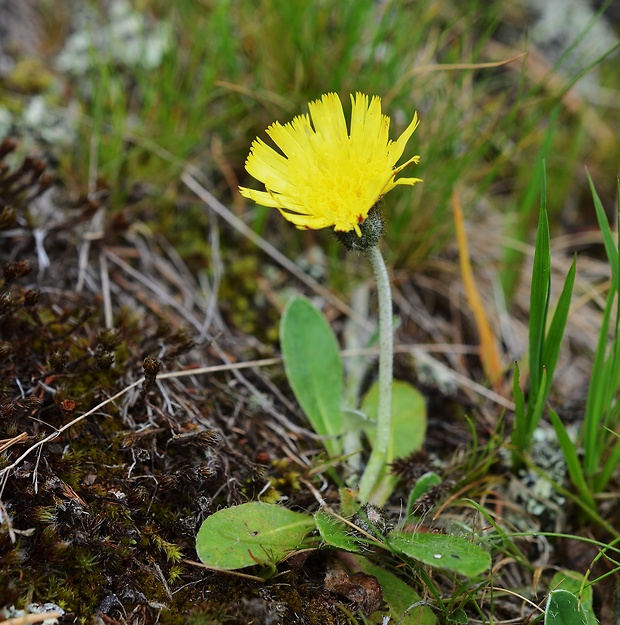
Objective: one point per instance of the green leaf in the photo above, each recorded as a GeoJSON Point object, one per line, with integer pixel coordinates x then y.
{"type": "Point", "coordinates": [539, 297]}
{"type": "Point", "coordinates": [605, 375]}
{"type": "Point", "coordinates": [408, 428]}
{"type": "Point", "coordinates": [597, 401]}
{"type": "Point", "coordinates": [314, 369]}
{"type": "Point", "coordinates": [442, 551]}
{"type": "Point", "coordinates": [335, 533]}
{"type": "Point", "coordinates": [571, 456]}
{"type": "Point", "coordinates": [564, 608]}
{"type": "Point", "coordinates": [458, 617]}
{"type": "Point", "coordinates": [611, 247]}
{"type": "Point", "coordinates": [408, 418]}
{"type": "Point", "coordinates": [610, 464]}
{"type": "Point", "coordinates": [573, 582]}
{"type": "Point", "coordinates": [252, 533]}
{"type": "Point", "coordinates": [553, 340]}
{"type": "Point", "coordinates": [399, 597]}
{"type": "Point", "coordinates": [519, 434]}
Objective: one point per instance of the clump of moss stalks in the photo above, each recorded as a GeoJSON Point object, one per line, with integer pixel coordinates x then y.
{"type": "Point", "coordinates": [101, 517]}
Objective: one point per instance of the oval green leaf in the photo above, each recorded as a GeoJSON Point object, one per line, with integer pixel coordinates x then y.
{"type": "Point", "coordinates": [563, 608]}
{"type": "Point", "coordinates": [573, 582]}
{"type": "Point", "coordinates": [408, 418]}
{"type": "Point", "coordinates": [442, 551]}
{"type": "Point", "coordinates": [314, 369]}
{"type": "Point", "coordinates": [252, 533]}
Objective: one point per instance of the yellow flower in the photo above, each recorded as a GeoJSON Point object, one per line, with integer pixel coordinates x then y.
{"type": "Point", "coordinates": [326, 176]}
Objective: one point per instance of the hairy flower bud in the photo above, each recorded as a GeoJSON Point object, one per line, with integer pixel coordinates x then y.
{"type": "Point", "coordinates": [371, 228]}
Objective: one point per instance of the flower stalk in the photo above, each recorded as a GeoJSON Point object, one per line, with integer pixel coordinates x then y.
{"type": "Point", "coordinates": [381, 448]}
{"type": "Point", "coordinates": [324, 173]}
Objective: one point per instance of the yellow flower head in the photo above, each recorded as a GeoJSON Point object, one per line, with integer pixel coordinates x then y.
{"type": "Point", "coordinates": [327, 177]}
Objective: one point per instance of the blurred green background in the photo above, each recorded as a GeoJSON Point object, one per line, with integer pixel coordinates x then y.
{"type": "Point", "coordinates": [125, 96]}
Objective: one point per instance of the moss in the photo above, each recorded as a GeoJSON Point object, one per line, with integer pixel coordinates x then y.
{"type": "Point", "coordinates": [244, 301]}
{"type": "Point", "coordinates": [290, 599]}
{"type": "Point", "coordinates": [106, 513]}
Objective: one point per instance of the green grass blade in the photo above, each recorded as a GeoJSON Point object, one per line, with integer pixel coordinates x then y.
{"type": "Point", "coordinates": [571, 457]}
{"type": "Point", "coordinates": [615, 250]}
{"type": "Point", "coordinates": [605, 369]}
{"type": "Point", "coordinates": [539, 298]}
{"type": "Point", "coordinates": [595, 401]}
{"type": "Point", "coordinates": [520, 426]}
{"type": "Point", "coordinates": [553, 340]}
{"type": "Point", "coordinates": [611, 248]}
{"type": "Point", "coordinates": [610, 466]}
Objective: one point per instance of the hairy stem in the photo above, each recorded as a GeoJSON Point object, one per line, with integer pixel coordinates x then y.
{"type": "Point", "coordinates": [380, 450]}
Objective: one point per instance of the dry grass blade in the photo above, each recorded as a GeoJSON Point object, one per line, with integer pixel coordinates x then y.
{"type": "Point", "coordinates": [9, 442]}
{"type": "Point", "coordinates": [541, 72]}
{"type": "Point", "coordinates": [446, 67]}
{"type": "Point", "coordinates": [489, 353]}
{"type": "Point", "coordinates": [225, 571]}
{"type": "Point", "coordinates": [269, 249]}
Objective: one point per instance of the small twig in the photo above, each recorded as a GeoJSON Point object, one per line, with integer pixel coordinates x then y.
{"type": "Point", "coordinates": [155, 288]}
{"type": "Point", "coordinates": [515, 594]}
{"type": "Point", "coordinates": [445, 67]}
{"type": "Point", "coordinates": [162, 578]}
{"type": "Point", "coordinates": [218, 569]}
{"type": "Point", "coordinates": [317, 495]}
{"type": "Point", "coordinates": [35, 472]}
{"type": "Point", "coordinates": [105, 291]}
{"type": "Point", "coordinates": [94, 233]}
{"type": "Point", "coordinates": [265, 362]}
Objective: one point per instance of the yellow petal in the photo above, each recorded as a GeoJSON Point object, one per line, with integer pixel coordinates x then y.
{"type": "Point", "coordinates": [324, 175]}
{"type": "Point", "coordinates": [397, 147]}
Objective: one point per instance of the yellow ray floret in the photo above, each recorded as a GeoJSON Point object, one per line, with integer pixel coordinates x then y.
{"type": "Point", "coordinates": [326, 176]}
